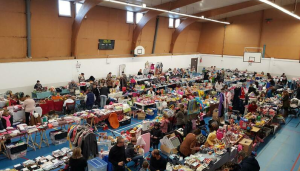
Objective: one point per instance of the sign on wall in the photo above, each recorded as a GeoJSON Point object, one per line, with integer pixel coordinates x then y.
{"type": "Point", "coordinates": [105, 44]}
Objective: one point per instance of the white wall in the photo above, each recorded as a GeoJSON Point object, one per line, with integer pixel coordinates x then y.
{"type": "Point", "coordinates": [269, 65]}
{"type": "Point", "coordinates": [21, 76]}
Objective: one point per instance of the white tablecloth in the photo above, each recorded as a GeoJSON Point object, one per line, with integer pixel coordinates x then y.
{"type": "Point", "coordinates": [20, 115]}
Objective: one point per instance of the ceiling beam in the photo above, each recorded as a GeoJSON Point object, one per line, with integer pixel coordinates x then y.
{"type": "Point", "coordinates": [153, 14]}
{"type": "Point", "coordinates": [207, 14]}
{"type": "Point", "coordinates": [86, 7]}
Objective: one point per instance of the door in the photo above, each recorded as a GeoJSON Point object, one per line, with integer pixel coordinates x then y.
{"type": "Point", "coordinates": [194, 63]}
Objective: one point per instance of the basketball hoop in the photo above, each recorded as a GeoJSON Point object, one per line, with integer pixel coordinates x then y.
{"type": "Point", "coordinates": [250, 62]}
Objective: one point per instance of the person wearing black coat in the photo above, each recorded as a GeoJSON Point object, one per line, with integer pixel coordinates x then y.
{"type": "Point", "coordinates": [96, 91]}
{"type": "Point", "coordinates": [89, 146]}
{"type": "Point", "coordinates": [249, 164]}
{"type": "Point", "coordinates": [131, 153]}
{"type": "Point", "coordinates": [156, 135]}
{"type": "Point", "coordinates": [117, 155]}
{"type": "Point", "coordinates": [251, 89]}
{"type": "Point", "coordinates": [298, 92]}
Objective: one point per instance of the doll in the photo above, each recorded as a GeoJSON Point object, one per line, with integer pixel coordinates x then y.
{"type": "Point", "coordinates": [211, 139]}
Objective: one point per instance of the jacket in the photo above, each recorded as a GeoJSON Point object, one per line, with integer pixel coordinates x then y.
{"type": "Point", "coordinates": [188, 143]}
{"type": "Point", "coordinates": [218, 86]}
{"type": "Point", "coordinates": [89, 146]}
{"type": "Point", "coordinates": [158, 164]}
{"type": "Point", "coordinates": [298, 93]}
{"type": "Point", "coordinates": [130, 151]}
{"type": "Point", "coordinates": [96, 91]}
{"type": "Point", "coordinates": [249, 164]}
{"type": "Point", "coordinates": [104, 91]}
{"type": "Point", "coordinates": [180, 118]}
{"type": "Point", "coordinates": [90, 99]}
{"type": "Point", "coordinates": [252, 108]}
{"type": "Point", "coordinates": [156, 133]}
{"type": "Point", "coordinates": [29, 105]}
{"type": "Point", "coordinates": [286, 102]}
{"type": "Point", "coordinates": [116, 155]}
{"type": "Point", "coordinates": [164, 125]}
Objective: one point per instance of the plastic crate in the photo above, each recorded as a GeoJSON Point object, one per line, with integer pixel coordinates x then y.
{"type": "Point", "coordinates": [17, 155]}
{"type": "Point", "coordinates": [97, 164]}
{"type": "Point", "coordinates": [125, 122]}
{"type": "Point", "coordinates": [57, 141]}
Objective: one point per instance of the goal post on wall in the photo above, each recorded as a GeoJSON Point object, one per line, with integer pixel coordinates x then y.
{"type": "Point", "coordinates": [252, 55]}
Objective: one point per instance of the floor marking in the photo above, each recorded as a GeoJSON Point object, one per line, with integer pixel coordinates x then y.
{"type": "Point", "coordinates": [295, 162]}
{"type": "Point", "coordinates": [131, 125]}
{"type": "Point", "coordinates": [270, 162]}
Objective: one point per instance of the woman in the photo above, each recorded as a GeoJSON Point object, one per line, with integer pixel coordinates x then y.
{"type": "Point", "coordinates": [77, 162]}
{"type": "Point", "coordinates": [14, 101]}
{"type": "Point", "coordinates": [270, 92]}
{"type": "Point", "coordinates": [269, 76]}
{"type": "Point", "coordinates": [252, 107]}
{"type": "Point", "coordinates": [286, 102]}
{"type": "Point", "coordinates": [180, 117]}
{"type": "Point", "coordinates": [140, 72]}
{"type": "Point", "coordinates": [156, 135]}
{"type": "Point", "coordinates": [188, 145]}
{"type": "Point", "coordinates": [29, 107]}
{"type": "Point", "coordinates": [164, 124]}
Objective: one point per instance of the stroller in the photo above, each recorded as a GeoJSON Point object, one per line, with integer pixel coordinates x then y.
{"type": "Point", "coordinates": [294, 108]}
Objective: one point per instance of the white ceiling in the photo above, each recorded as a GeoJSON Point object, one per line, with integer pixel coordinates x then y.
{"type": "Point", "coordinates": [197, 7]}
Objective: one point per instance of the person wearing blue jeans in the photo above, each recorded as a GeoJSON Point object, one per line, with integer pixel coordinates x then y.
{"type": "Point", "coordinates": [103, 100]}
{"type": "Point", "coordinates": [131, 152]}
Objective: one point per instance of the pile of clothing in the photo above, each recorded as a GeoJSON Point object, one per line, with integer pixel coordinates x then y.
{"type": "Point", "coordinates": [85, 138]}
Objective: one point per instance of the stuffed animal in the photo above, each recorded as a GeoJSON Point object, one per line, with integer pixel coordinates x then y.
{"type": "Point", "coordinates": [211, 139]}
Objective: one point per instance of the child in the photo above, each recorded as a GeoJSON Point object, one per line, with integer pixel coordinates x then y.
{"type": "Point", "coordinates": [156, 134]}
{"type": "Point", "coordinates": [7, 119]}
{"type": "Point", "coordinates": [164, 124]}
{"type": "Point", "coordinates": [145, 166]}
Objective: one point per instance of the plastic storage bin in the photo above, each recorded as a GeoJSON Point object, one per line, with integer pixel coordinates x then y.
{"type": "Point", "coordinates": [58, 138]}
{"type": "Point", "coordinates": [154, 114]}
{"type": "Point", "coordinates": [17, 155]}
{"type": "Point", "coordinates": [97, 164]}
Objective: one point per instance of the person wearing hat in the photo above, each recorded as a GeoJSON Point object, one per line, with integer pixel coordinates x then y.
{"type": "Point", "coordinates": [156, 135]}
{"type": "Point", "coordinates": [38, 86]}
{"type": "Point", "coordinates": [81, 77]}
{"type": "Point", "coordinates": [72, 87]}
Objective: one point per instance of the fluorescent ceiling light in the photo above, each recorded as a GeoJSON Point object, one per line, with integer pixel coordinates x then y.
{"type": "Point", "coordinates": [280, 8]}
{"type": "Point", "coordinates": [166, 11]}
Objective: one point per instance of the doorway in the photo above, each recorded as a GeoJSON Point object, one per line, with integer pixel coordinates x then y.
{"type": "Point", "coordinates": [194, 63]}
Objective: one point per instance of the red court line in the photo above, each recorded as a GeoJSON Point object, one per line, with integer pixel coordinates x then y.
{"type": "Point", "coordinates": [295, 162]}
{"type": "Point", "coordinates": [24, 158]}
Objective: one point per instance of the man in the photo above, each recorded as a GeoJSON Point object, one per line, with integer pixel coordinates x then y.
{"type": "Point", "coordinates": [109, 81]}
{"type": "Point", "coordinates": [38, 86]}
{"type": "Point", "coordinates": [81, 77]}
{"type": "Point", "coordinates": [89, 99]}
{"type": "Point", "coordinates": [151, 92]}
{"type": "Point", "coordinates": [131, 152]}
{"type": "Point", "coordinates": [68, 101]}
{"type": "Point", "coordinates": [124, 76]}
{"type": "Point", "coordinates": [117, 155]}
{"type": "Point", "coordinates": [96, 92]}
{"type": "Point", "coordinates": [104, 91]}
{"type": "Point", "coordinates": [157, 162]}
{"type": "Point", "coordinates": [251, 89]}
{"type": "Point", "coordinates": [72, 87]}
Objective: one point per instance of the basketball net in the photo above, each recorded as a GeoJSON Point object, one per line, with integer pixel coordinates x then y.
{"type": "Point", "coordinates": [250, 63]}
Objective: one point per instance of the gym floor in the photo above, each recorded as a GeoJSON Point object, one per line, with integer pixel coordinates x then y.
{"type": "Point", "coordinates": [279, 152]}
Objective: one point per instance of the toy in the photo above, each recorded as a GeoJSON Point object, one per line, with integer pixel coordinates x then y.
{"type": "Point", "coordinates": [211, 139]}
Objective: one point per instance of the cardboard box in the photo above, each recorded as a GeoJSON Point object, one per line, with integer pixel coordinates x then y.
{"type": "Point", "coordinates": [247, 145]}
{"type": "Point", "coordinates": [215, 115]}
{"type": "Point", "coordinates": [141, 116]}
{"type": "Point", "coordinates": [166, 150]}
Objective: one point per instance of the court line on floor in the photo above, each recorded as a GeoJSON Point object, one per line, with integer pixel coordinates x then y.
{"type": "Point", "coordinates": [268, 164]}
{"type": "Point", "coordinates": [295, 162]}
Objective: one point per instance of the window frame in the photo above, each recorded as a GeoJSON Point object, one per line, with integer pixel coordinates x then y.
{"type": "Point", "coordinates": [127, 17]}
{"type": "Point", "coordinates": [136, 14]}
{"type": "Point", "coordinates": [76, 7]}
{"type": "Point", "coordinates": [63, 15]}
{"type": "Point", "coordinates": [177, 19]}
{"type": "Point", "coordinates": [171, 27]}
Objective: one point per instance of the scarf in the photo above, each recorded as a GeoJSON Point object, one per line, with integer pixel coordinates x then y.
{"type": "Point", "coordinates": [8, 124]}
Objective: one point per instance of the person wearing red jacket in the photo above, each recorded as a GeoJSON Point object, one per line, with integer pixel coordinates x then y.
{"type": "Point", "coordinates": [252, 107]}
